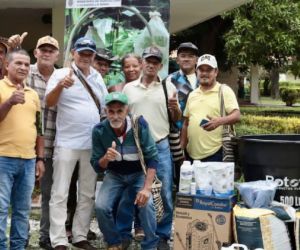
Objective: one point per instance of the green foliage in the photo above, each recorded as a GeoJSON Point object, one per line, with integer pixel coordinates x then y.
{"type": "Point", "coordinates": [264, 32]}
{"type": "Point", "coordinates": [289, 95]}
{"type": "Point", "coordinates": [295, 68]}
{"type": "Point", "coordinates": [271, 111]}
{"type": "Point", "coordinates": [252, 124]}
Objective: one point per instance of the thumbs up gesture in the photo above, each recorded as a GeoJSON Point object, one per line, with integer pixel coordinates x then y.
{"type": "Point", "coordinates": [68, 80]}
{"type": "Point", "coordinates": [172, 102]}
{"type": "Point", "coordinates": [16, 41]}
{"type": "Point", "coordinates": [18, 96]}
{"type": "Point", "coordinates": [112, 153]}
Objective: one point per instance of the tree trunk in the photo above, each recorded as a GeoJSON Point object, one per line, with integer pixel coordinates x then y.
{"type": "Point", "coordinates": [274, 75]}
{"type": "Point", "coordinates": [254, 80]}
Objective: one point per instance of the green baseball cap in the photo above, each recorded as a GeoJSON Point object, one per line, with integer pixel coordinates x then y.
{"type": "Point", "coordinates": [116, 97]}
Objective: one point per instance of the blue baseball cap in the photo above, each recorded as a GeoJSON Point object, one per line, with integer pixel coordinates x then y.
{"type": "Point", "coordinates": [85, 43]}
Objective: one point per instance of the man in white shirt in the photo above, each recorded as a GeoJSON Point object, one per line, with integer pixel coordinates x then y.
{"type": "Point", "coordinates": [78, 92]}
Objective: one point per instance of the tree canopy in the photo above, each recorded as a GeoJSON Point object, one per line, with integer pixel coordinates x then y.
{"type": "Point", "coordinates": [264, 32]}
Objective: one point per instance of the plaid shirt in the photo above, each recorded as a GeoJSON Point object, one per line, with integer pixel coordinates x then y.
{"type": "Point", "coordinates": [36, 81]}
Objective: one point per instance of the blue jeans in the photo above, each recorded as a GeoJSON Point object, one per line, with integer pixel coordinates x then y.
{"type": "Point", "coordinates": [17, 181]}
{"type": "Point", "coordinates": [165, 174]}
{"type": "Point", "coordinates": [111, 191]}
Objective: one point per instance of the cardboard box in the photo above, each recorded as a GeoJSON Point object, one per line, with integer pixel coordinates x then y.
{"type": "Point", "coordinates": [202, 222]}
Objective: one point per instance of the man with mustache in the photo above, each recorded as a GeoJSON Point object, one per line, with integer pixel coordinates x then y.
{"type": "Point", "coordinates": [146, 97]}
{"type": "Point", "coordinates": [21, 143]}
{"type": "Point", "coordinates": [115, 151]}
{"type": "Point", "coordinates": [202, 128]}
{"type": "Point", "coordinates": [78, 92]}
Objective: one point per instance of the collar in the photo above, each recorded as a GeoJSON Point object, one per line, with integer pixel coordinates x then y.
{"type": "Point", "coordinates": [181, 72]}
{"type": "Point", "coordinates": [93, 72]}
{"type": "Point", "coordinates": [139, 83]}
{"type": "Point", "coordinates": [10, 84]}
{"type": "Point", "coordinates": [35, 70]}
{"type": "Point", "coordinates": [214, 89]}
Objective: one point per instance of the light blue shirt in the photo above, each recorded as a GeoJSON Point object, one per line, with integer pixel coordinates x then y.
{"type": "Point", "coordinates": [77, 112]}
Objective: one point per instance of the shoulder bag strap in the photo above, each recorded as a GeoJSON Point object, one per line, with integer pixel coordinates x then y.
{"type": "Point", "coordinates": [88, 88]}
{"type": "Point", "coordinates": [135, 128]}
{"type": "Point", "coordinates": [166, 98]}
{"type": "Point", "coordinates": [229, 128]}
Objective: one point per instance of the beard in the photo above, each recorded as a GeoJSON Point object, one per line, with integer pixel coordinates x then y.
{"type": "Point", "coordinates": [204, 81]}
{"type": "Point", "coordinates": [116, 124]}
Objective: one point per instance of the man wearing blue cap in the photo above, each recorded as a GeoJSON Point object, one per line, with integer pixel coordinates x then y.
{"type": "Point", "coordinates": [115, 151]}
{"type": "Point", "coordinates": [78, 92]}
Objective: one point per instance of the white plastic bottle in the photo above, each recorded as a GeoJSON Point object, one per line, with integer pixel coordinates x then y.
{"type": "Point", "coordinates": [196, 163]}
{"type": "Point", "coordinates": [186, 177]}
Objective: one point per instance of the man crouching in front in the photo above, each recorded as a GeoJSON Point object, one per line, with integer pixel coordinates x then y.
{"type": "Point", "coordinates": [114, 151]}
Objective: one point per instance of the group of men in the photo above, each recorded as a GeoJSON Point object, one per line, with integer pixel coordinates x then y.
{"type": "Point", "coordinates": [68, 103]}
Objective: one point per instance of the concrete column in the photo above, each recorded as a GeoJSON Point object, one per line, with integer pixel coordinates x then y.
{"type": "Point", "coordinates": [58, 26]}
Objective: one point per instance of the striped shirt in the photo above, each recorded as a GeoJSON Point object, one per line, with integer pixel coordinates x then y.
{"type": "Point", "coordinates": [36, 81]}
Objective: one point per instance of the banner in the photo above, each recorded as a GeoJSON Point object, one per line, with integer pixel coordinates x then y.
{"type": "Point", "coordinates": [128, 28]}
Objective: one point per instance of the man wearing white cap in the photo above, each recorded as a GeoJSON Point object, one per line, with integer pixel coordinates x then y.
{"type": "Point", "coordinates": [202, 129]}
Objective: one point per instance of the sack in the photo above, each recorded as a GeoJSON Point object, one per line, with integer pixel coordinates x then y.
{"type": "Point", "coordinates": [228, 133]}
{"type": "Point", "coordinates": [156, 185]}
{"type": "Point", "coordinates": [228, 143]}
{"type": "Point", "coordinates": [260, 228]}
{"type": "Point", "coordinates": [157, 200]}
{"type": "Point", "coordinates": [175, 146]}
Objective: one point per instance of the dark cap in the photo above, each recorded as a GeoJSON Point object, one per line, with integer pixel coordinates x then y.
{"type": "Point", "coordinates": [85, 43]}
{"type": "Point", "coordinates": [188, 46]}
{"type": "Point", "coordinates": [153, 52]}
{"type": "Point", "coordinates": [106, 55]}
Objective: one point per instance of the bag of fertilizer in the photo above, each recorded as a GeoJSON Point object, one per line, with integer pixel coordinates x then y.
{"type": "Point", "coordinates": [260, 228]}
{"type": "Point", "coordinates": [297, 230]}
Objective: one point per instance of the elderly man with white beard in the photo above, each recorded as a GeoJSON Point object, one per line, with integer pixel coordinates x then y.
{"type": "Point", "coordinates": [115, 151]}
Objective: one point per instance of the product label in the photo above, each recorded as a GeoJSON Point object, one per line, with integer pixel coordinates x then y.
{"type": "Point", "coordinates": [286, 183]}
{"type": "Point", "coordinates": [288, 190]}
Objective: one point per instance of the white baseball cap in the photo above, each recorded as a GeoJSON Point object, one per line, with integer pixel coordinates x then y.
{"type": "Point", "coordinates": [207, 59]}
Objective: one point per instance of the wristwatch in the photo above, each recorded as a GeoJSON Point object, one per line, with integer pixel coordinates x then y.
{"type": "Point", "coordinates": [40, 159]}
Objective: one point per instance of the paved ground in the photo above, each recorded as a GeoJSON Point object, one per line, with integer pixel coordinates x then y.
{"type": "Point", "coordinates": [34, 233]}
{"type": "Point", "coordinates": [99, 242]}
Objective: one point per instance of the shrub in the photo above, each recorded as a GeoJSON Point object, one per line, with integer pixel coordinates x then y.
{"type": "Point", "coordinates": [289, 95]}
{"type": "Point", "coordinates": [271, 111]}
{"type": "Point", "coordinates": [251, 124]}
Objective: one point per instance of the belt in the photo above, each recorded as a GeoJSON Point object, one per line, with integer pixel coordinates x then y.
{"type": "Point", "coordinates": [160, 140]}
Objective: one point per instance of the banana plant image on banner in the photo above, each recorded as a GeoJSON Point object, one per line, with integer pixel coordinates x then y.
{"type": "Point", "coordinates": [122, 27]}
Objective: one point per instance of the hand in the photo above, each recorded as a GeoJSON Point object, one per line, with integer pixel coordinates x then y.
{"type": "Point", "coordinates": [68, 80]}
{"type": "Point", "coordinates": [172, 102]}
{"type": "Point", "coordinates": [18, 96]}
{"type": "Point", "coordinates": [112, 153]}
{"type": "Point", "coordinates": [15, 41]}
{"type": "Point", "coordinates": [142, 197]}
{"type": "Point", "coordinates": [39, 170]}
{"type": "Point", "coordinates": [212, 124]}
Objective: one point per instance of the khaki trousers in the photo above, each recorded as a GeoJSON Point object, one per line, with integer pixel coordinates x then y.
{"type": "Point", "coordinates": [64, 161]}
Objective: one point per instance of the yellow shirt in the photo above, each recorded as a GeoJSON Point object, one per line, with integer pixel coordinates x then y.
{"type": "Point", "coordinates": [18, 130]}
{"type": "Point", "coordinates": [151, 103]}
{"type": "Point", "coordinates": [201, 143]}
